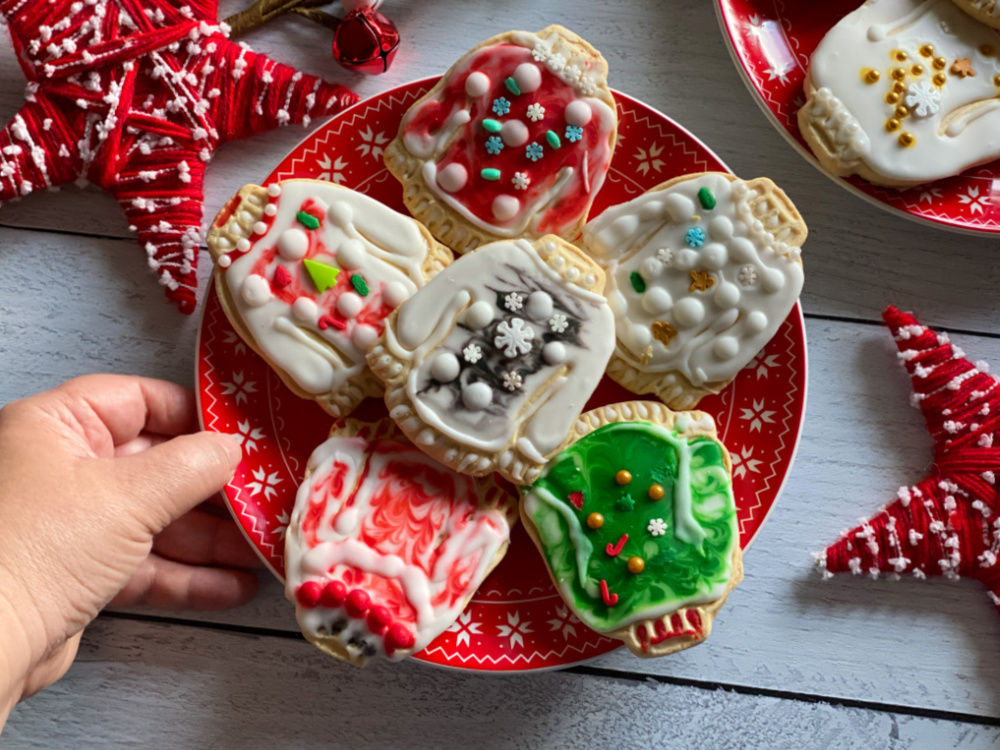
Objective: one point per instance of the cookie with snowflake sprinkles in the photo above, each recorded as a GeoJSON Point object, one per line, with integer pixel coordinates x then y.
{"type": "Point", "coordinates": [636, 520]}
{"type": "Point", "coordinates": [385, 547]}
{"type": "Point", "coordinates": [487, 367]}
{"type": "Point", "coordinates": [514, 141]}
{"type": "Point", "coordinates": [904, 92]}
{"type": "Point", "coordinates": [701, 272]}
{"type": "Point", "coordinates": [308, 271]}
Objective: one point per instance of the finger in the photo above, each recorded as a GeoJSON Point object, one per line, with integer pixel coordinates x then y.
{"type": "Point", "coordinates": [109, 410]}
{"type": "Point", "coordinates": [166, 584]}
{"type": "Point", "coordinates": [163, 483]}
{"type": "Point", "coordinates": [200, 538]}
{"type": "Point", "coordinates": [143, 442]}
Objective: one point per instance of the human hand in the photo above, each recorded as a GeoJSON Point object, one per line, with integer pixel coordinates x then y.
{"type": "Point", "coordinates": [98, 479]}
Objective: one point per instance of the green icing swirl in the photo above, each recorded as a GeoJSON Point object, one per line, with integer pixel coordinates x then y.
{"type": "Point", "coordinates": [691, 563]}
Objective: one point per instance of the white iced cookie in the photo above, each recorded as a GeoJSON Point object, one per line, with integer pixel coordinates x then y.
{"type": "Point", "coordinates": [987, 11]}
{"type": "Point", "coordinates": [488, 366]}
{"type": "Point", "coordinates": [308, 271]}
{"type": "Point", "coordinates": [701, 271]}
{"type": "Point", "coordinates": [904, 92]}
{"type": "Point", "coordinates": [385, 547]}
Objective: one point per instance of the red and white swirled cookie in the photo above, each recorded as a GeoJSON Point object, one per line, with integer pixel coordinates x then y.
{"type": "Point", "coordinates": [385, 546]}
{"type": "Point", "coordinates": [514, 141]}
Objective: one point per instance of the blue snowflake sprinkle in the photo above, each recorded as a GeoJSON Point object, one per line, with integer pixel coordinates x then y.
{"type": "Point", "coordinates": [534, 151]}
{"type": "Point", "coordinates": [574, 133]}
{"type": "Point", "coordinates": [695, 237]}
{"type": "Point", "coordinates": [501, 106]}
{"type": "Point", "coordinates": [494, 145]}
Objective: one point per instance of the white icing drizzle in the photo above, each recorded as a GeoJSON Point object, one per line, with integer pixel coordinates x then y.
{"type": "Point", "coordinates": [631, 238]}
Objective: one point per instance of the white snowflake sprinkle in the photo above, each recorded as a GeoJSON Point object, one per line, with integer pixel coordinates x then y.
{"type": "Point", "coordinates": [657, 527]}
{"type": "Point", "coordinates": [556, 62]}
{"type": "Point", "coordinates": [513, 301]}
{"type": "Point", "coordinates": [472, 354]}
{"type": "Point", "coordinates": [521, 181]}
{"type": "Point", "coordinates": [923, 99]}
{"type": "Point", "coordinates": [572, 73]}
{"type": "Point", "coordinates": [512, 381]}
{"type": "Point", "coordinates": [514, 338]}
{"type": "Point", "coordinates": [540, 53]}
{"type": "Point", "coordinates": [536, 112]}
{"type": "Point", "coordinates": [665, 255]}
{"type": "Point", "coordinates": [558, 323]}
{"type": "Point", "coordinates": [748, 276]}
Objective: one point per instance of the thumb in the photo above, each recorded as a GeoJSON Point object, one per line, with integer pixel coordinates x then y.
{"type": "Point", "coordinates": [164, 482]}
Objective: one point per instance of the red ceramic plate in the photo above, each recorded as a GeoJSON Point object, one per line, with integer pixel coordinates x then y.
{"type": "Point", "coordinates": [771, 42]}
{"type": "Point", "coordinates": [517, 621]}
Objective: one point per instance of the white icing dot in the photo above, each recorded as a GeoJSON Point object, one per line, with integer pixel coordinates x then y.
{"type": "Point", "coordinates": [528, 77]}
{"type": "Point", "coordinates": [688, 312]}
{"type": "Point", "coordinates": [514, 133]}
{"type": "Point", "coordinates": [572, 274]}
{"type": "Point", "coordinates": [539, 306]}
{"type": "Point", "coordinates": [685, 259]}
{"type": "Point", "coordinates": [270, 209]}
{"type": "Point", "coordinates": [305, 310]}
{"type": "Point", "coordinates": [477, 396]}
{"type": "Point", "coordinates": [742, 250]}
{"type": "Point", "coordinates": [395, 294]}
{"type": "Point", "coordinates": [679, 207]}
{"type": "Point", "coordinates": [559, 263]}
{"type": "Point", "coordinates": [651, 210]}
{"type": "Point", "coordinates": [505, 207]}
{"type": "Point", "coordinates": [225, 261]}
{"type": "Point", "coordinates": [349, 304]}
{"type": "Point", "coordinates": [720, 228]}
{"type": "Point", "coordinates": [756, 321]}
{"type": "Point", "coordinates": [363, 337]}
{"type": "Point", "coordinates": [639, 337]}
{"type": "Point", "coordinates": [293, 244]}
{"type": "Point", "coordinates": [445, 367]}
{"type": "Point", "coordinates": [453, 177]}
{"type": "Point", "coordinates": [589, 280]}
{"type": "Point", "coordinates": [351, 254]}
{"type": "Point", "coordinates": [554, 352]}
{"type": "Point", "coordinates": [243, 244]}
{"type": "Point", "coordinates": [547, 249]}
{"type": "Point", "coordinates": [772, 281]}
{"type": "Point", "coordinates": [341, 213]}
{"type": "Point", "coordinates": [578, 112]}
{"type": "Point", "coordinates": [479, 315]}
{"type": "Point", "coordinates": [274, 190]}
{"type": "Point", "coordinates": [726, 347]}
{"type": "Point", "coordinates": [650, 268]}
{"type": "Point", "coordinates": [726, 294]}
{"type": "Point", "coordinates": [259, 228]}
{"type": "Point", "coordinates": [255, 290]}
{"type": "Point", "coordinates": [714, 256]}
{"type": "Point", "coordinates": [477, 84]}
{"type": "Point", "coordinates": [656, 300]}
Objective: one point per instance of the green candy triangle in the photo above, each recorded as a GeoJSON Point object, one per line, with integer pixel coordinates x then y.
{"type": "Point", "coordinates": [322, 275]}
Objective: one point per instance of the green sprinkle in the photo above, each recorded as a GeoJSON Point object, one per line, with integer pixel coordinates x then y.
{"type": "Point", "coordinates": [359, 284]}
{"type": "Point", "coordinates": [492, 126]}
{"type": "Point", "coordinates": [706, 198]}
{"type": "Point", "coordinates": [322, 275]}
{"type": "Point", "coordinates": [638, 283]}
{"type": "Point", "coordinates": [512, 87]}
{"type": "Point", "coordinates": [553, 139]}
{"type": "Point", "coordinates": [307, 220]}
{"type": "Point", "coordinates": [625, 501]}
{"type": "Point", "coordinates": [490, 174]}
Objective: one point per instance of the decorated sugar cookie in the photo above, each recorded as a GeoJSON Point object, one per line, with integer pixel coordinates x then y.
{"type": "Point", "coordinates": [487, 367]}
{"type": "Point", "coordinates": [701, 272]}
{"type": "Point", "coordinates": [308, 271]}
{"type": "Point", "coordinates": [514, 141]}
{"type": "Point", "coordinates": [987, 11]}
{"type": "Point", "coordinates": [636, 521]}
{"type": "Point", "coordinates": [903, 92]}
{"type": "Point", "coordinates": [385, 547]}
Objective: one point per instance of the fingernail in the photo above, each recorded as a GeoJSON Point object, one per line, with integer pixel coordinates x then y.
{"type": "Point", "coordinates": [234, 447]}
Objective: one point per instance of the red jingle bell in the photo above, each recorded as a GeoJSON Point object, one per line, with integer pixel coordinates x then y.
{"type": "Point", "coordinates": [365, 41]}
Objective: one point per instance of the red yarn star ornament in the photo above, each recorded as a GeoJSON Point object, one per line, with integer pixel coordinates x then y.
{"type": "Point", "coordinates": [135, 96]}
{"type": "Point", "coordinates": [948, 524]}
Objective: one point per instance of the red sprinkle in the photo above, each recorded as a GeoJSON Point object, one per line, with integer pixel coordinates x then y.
{"type": "Point", "coordinates": [614, 550]}
{"type": "Point", "coordinates": [281, 278]}
{"type": "Point", "coordinates": [609, 598]}
{"type": "Point", "coordinates": [334, 594]}
{"type": "Point", "coordinates": [398, 638]}
{"type": "Point", "coordinates": [309, 593]}
{"type": "Point", "coordinates": [328, 321]}
{"type": "Point", "coordinates": [378, 619]}
{"type": "Point", "coordinates": [577, 499]}
{"type": "Point", "coordinates": [357, 603]}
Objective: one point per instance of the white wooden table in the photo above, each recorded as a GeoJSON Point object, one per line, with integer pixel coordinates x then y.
{"type": "Point", "coordinates": [793, 662]}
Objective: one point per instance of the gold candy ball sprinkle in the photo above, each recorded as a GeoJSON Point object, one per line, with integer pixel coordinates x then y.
{"type": "Point", "coordinates": [988, 49]}
{"type": "Point", "coordinates": [623, 477]}
{"type": "Point", "coordinates": [655, 492]}
{"type": "Point", "coordinates": [892, 98]}
{"type": "Point", "coordinates": [899, 87]}
{"type": "Point", "coordinates": [940, 79]}
{"type": "Point", "coordinates": [892, 124]}
{"type": "Point", "coordinates": [899, 55]}
{"type": "Point", "coordinates": [636, 565]}
{"type": "Point", "coordinates": [595, 520]}
{"type": "Point", "coordinates": [898, 73]}
{"type": "Point", "coordinates": [902, 111]}
{"type": "Point", "coordinates": [872, 76]}
{"type": "Point", "coordinates": [906, 139]}
{"type": "Point", "coordinates": [996, 80]}
{"type": "Point", "coordinates": [917, 70]}
{"type": "Point", "coordinates": [940, 63]}
{"type": "Point", "coordinates": [927, 50]}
